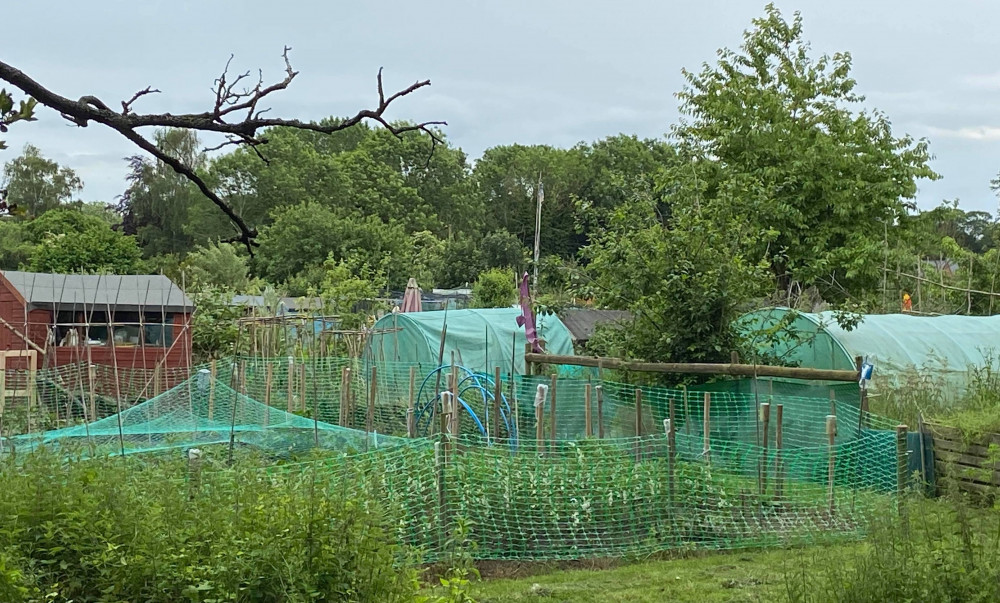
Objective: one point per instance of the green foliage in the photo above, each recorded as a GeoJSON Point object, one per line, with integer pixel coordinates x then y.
{"type": "Point", "coordinates": [217, 265]}
{"type": "Point", "coordinates": [25, 111]}
{"type": "Point", "coordinates": [158, 205]}
{"type": "Point", "coordinates": [133, 530]}
{"type": "Point", "coordinates": [778, 132]}
{"type": "Point", "coordinates": [344, 292]}
{"type": "Point", "coordinates": [15, 246]}
{"type": "Point", "coordinates": [306, 235]}
{"type": "Point", "coordinates": [35, 184]}
{"type": "Point", "coordinates": [460, 263]}
{"type": "Point", "coordinates": [214, 330]}
{"type": "Point", "coordinates": [494, 288]}
{"type": "Point", "coordinates": [946, 552]}
{"type": "Point", "coordinates": [501, 249]}
{"type": "Point", "coordinates": [683, 277]}
{"type": "Point", "coordinates": [70, 241]}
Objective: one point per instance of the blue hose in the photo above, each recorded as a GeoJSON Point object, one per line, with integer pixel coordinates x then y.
{"type": "Point", "coordinates": [471, 381]}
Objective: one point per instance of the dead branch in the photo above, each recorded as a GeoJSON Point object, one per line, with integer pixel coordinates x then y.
{"type": "Point", "coordinates": [229, 100]}
{"type": "Point", "coordinates": [127, 105]}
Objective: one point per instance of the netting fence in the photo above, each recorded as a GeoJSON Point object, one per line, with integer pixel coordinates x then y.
{"type": "Point", "coordinates": [595, 468]}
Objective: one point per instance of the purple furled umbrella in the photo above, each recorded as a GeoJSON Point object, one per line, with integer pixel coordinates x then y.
{"type": "Point", "coordinates": [527, 317]}
{"type": "Point", "coordinates": [411, 297]}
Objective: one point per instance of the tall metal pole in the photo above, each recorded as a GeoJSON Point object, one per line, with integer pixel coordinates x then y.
{"type": "Point", "coordinates": [538, 231]}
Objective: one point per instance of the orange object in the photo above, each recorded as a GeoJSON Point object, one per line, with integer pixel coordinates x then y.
{"type": "Point", "coordinates": [907, 304]}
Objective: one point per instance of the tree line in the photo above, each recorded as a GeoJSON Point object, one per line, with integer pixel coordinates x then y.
{"type": "Point", "coordinates": [776, 186]}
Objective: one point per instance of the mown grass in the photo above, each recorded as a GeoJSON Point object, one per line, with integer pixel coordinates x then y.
{"type": "Point", "coordinates": [734, 576]}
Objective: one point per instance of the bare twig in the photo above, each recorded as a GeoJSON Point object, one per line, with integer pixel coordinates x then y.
{"type": "Point", "coordinates": [228, 101]}
{"type": "Point", "coordinates": [127, 105]}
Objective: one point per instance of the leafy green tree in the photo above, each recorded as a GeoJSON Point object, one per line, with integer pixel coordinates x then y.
{"type": "Point", "coordinates": [501, 249]}
{"type": "Point", "coordinates": [685, 277]}
{"type": "Point", "coordinates": [35, 184]}
{"type": "Point", "coordinates": [461, 262]}
{"type": "Point", "coordinates": [15, 247]}
{"type": "Point", "coordinates": [306, 235]}
{"type": "Point", "coordinates": [157, 207]}
{"type": "Point", "coordinates": [507, 178]}
{"type": "Point", "coordinates": [494, 289]}
{"type": "Point", "coordinates": [214, 324]}
{"type": "Point", "coordinates": [216, 265]}
{"type": "Point", "coordinates": [345, 290]}
{"type": "Point", "coordinates": [69, 241]}
{"type": "Point", "coordinates": [785, 130]}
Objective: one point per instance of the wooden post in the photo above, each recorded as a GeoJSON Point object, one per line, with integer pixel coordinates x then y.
{"type": "Point", "coordinates": [901, 470]}
{"type": "Point", "coordinates": [303, 406]}
{"type": "Point", "coordinates": [765, 412]}
{"type": "Point", "coordinates": [3, 393]}
{"type": "Point", "coordinates": [411, 425]}
{"type": "Point", "coordinates": [923, 456]}
{"type": "Point", "coordinates": [291, 385]}
{"type": "Point", "coordinates": [687, 411]}
{"type": "Point", "coordinates": [778, 469]}
{"type": "Point", "coordinates": [707, 429]}
{"type": "Point", "coordinates": [833, 402]}
{"type": "Point", "coordinates": [671, 450]}
{"type": "Point", "coordinates": [600, 412]}
{"type": "Point", "coordinates": [497, 396]}
{"type": "Point", "coordinates": [213, 371]}
{"type": "Point", "coordinates": [372, 390]}
{"type": "Point", "coordinates": [588, 427]}
{"type": "Point", "coordinates": [90, 388]}
{"type": "Point", "coordinates": [552, 411]}
{"type": "Point", "coordinates": [156, 380]}
{"type": "Point", "coordinates": [540, 395]}
{"type": "Point", "coordinates": [455, 405]}
{"type": "Point", "coordinates": [529, 366]}
{"type": "Point", "coordinates": [345, 397]}
{"type": "Point", "coordinates": [638, 425]}
{"type": "Point", "coordinates": [268, 384]}
{"type": "Point", "coordinates": [831, 435]}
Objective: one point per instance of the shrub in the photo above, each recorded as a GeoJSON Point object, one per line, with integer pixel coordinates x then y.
{"type": "Point", "coordinates": [127, 529]}
{"type": "Point", "coordinates": [494, 289]}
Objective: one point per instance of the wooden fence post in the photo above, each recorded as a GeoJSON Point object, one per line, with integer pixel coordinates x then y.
{"type": "Point", "coordinates": [495, 421]}
{"type": "Point", "coordinates": [302, 384]}
{"type": "Point", "coordinates": [291, 385]}
{"type": "Point", "coordinates": [831, 435]}
{"type": "Point", "coordinates": [213, 371]}
{"type": "Point", "coordinates": [707, 429]}
{"type": "Point", "coordinates": [833, 402]}
{"type": "Point", "coordinates": [268, 383]}
{"type": "Point", "coordinates": [765, 411]}
{"type": "Point", "coordinates": [540, 394]}
{"type": "Point", "coordinates": [588, 427]}
{"type": "Point", "coordinates": [638, 425]}
{"type": "Point", "coordinates": [600, 412]}
{"type": "Point", "coordinates": [671, 451]}
{"type": "Point", "coordinates": [778, 469]}
{"type": "Point", "coordinates": [901, 471]}
{"type": "Point", "coordinates": [411, 425]}
{"type": "Point", "coordinates": [552, 411]}
{"type": "Point", "coordinates": [373, 388]}
{"type": "Point", "coordinates": [91, 375]}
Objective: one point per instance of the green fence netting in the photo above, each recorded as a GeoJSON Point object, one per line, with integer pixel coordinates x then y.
{"type": "Point", "coordinates": [567, 494]}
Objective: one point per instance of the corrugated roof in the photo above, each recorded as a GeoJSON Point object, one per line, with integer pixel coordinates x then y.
{"type": "Point", "coordinates": [582, 322]}
{"type": "Point", "coordinates": [131, 292]}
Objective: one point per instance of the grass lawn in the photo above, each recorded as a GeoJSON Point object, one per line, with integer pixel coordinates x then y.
{"type": "Point", "coordinates": [703, 578]}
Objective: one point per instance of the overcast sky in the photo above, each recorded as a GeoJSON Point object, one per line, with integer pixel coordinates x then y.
{"type": "Point", "coordinates": [503, 72]}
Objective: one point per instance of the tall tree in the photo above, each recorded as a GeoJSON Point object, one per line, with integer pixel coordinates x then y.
{"type": "Point", "coordinates": [785, 129]}
{"type": "Point", "coordinates": [156, 205]}
{"type": "Point", "coordinates": [35, 184]}
{"type": "Point", "coordinates": [70, 241]}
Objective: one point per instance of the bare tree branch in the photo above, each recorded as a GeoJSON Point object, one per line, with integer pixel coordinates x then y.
{"type": "Point", "coordinates": [228, 101]}
{"type": "Point", "coordinates": [127, 105]}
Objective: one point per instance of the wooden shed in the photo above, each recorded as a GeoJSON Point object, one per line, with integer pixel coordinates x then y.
{"type": "Point", "coordinates": [134, 321]}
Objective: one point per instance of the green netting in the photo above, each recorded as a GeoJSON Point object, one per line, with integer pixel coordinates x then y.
{"type": "Point", "coordinates": [570, 494]}
{"type": "Point", "coordinates": [480, 339]}
{"type": "Point", "coordinates": [199, 412]}
{"type": "Point", "coordinates": [900, 345]}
